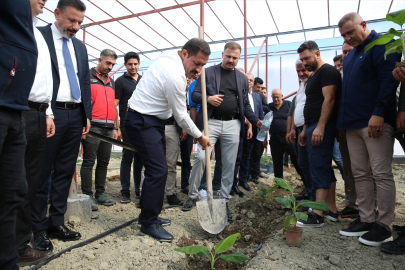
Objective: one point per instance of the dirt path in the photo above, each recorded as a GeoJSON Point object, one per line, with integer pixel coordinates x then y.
{"type": "Point", "coordinates": [257, 222]}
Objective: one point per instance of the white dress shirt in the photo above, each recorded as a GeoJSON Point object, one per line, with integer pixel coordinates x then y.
{"type": "Point", "coordinates": [299, 119]}
{"type": "Point", "coordinates": [64, 92]}
{"type": "Point", "coordinates": [250, 96]}
{"type": "Point", "coordinates": [42, 89]}
{"type": "Point", "coordinates": [161, 93]}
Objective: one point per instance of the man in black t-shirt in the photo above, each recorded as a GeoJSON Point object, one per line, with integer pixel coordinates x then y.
{"type": "Point", "coordinates": [124, 87]}
{"type": "Point", "coordinates": [320, 113]}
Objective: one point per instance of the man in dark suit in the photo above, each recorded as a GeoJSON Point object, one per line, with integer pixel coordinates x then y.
{"type": "Point", "coordinates": [17, 70]}
{"type": "Point", "coordinates": [227, 108]}
{"type": "Point", "coordinates": [71, 106]}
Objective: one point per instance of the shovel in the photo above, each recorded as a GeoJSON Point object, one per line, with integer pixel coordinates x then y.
{"type": "Point", "coordinates": [211, 212]}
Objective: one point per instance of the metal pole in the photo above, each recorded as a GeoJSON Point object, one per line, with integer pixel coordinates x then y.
{"type": "Point", "coordinates": [202, 16]}
{"type": "Point", "coordinates": [267, 70]}
{"type": "Point", "coordinates": [257, 56]}
{"type": "Point", "coordinates": [84, 35]}
{"type": "Point", "coordinates": [245, 32]}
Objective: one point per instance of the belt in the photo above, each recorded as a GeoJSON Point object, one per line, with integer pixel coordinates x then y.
{"type": "Point", "coordinates": [228, 118]}
{"type": "Point", "coordinates": [38, 106]}
{"type": "Point", "coordinates": [169, 122]}
{"type": "Point", "coordinates": [67, 105]}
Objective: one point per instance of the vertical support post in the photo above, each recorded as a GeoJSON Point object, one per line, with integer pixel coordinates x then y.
{"type": "Point", "coordinates": [202, 16]}
{"type": "Point", "coordinates": [258, 67]}
{"type": "Point", "coordinates": [84, 35]}
{"type": "Point", "coordinates": [245, 32]}
{"type": "Point", "coordinates": [281, 74]}
{"type": "Point", "coordinates": [267, 70]}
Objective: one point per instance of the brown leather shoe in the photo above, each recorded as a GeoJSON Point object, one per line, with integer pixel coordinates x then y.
{"type": "Point", "coordinates": [184, 190]}
{"type": "Point", "coordinates": [33, 256]}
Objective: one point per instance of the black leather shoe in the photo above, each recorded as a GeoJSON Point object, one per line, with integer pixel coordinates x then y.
{"type": "Point", "coordinates": [63, 233]}
{"type": "Point", "coordinates": [302, 196]}
{"type": "Point", "coordinates": [157, 232]}
{"type": "Point", "coordinates": [42, 241]}
{"type": "Point", "coordinates": [236, 190]}
{"type": "Point", "coordinates": [228, 213]}
{"type": "Point", "coordinates": [400, 228]}
{"type": "Point", "coordinates": [163, 221]}
{"type": "Point", "coordinates": [173, 200]}
{"type": "Point", "coordinates": [33, 256]}
{"type": "Point", "coordinates": [254, 180]}
{"type": "Point", "coordinates": [245, 186]}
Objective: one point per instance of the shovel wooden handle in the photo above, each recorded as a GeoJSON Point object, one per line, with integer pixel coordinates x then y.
{"type": "Point", "coordinates": [205, 120]}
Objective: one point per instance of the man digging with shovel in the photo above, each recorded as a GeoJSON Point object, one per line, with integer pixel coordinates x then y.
{"type": "Point", "coordinates": [160, 94]}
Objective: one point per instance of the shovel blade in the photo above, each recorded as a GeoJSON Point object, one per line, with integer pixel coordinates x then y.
{"type": "Point", "coordinates": [213, 222]}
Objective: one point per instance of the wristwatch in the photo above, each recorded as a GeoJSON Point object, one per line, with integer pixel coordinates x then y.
{"type": "Point", "coordinates": [115, 128]}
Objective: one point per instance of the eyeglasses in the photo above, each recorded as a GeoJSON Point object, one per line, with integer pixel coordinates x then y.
{"type": "Point", "coordinates": [250, 80]}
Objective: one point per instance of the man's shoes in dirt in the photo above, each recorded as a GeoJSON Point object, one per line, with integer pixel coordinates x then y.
{"type": "Point", "coordinates": [173, 200]}
{"type": "Point", "coordinates": [33, 256]}
{"type": "Point", "coordinates": [349, 212]}
{"type": "Point", "coordinates": [137, 195]}
{"type": "Point", "coordinates": [94, 206]}
{"type": "Point", "coordinates": [157, 232]}
{"type": "Point", "coordinates": [63, 233]}
{"type": "Point", "coordinates": [331, 216]}
{"type": "Point", "coordinates": [313, 221]}
{"type": "Point", "coordinates": [189, 204]}
{"type": "Point", "coordinates": [302, 196]}
{"type": "Point", "coordinates": [42, 241]}
{"type": "Point", "coordinates": [400, 228]}
{"type": "Point", "coordinates": [395, 247]}
{"type": "Point", "coordinates": [263, 175]}
{"type": "Point", "coordinates": [125, 198]}
{"type": "Point", "coordinates": [357, 228]}
{"type": "Point", "coordinates": [237, 191]}
{"type": "Point", "coordinates": [376, 236]}
{"type": "Point", "coordinates": [245, 186]}
{"type": "Point", "coordinates": [163, 221]}
{"type": "Point", "coordinates": [104, 200]}
{"type": "Point", "coordinates": [184, 190]}
{"type": "Point", "coordinates": [254, 180]}
{"type": "Point", "coordinates": [228, 213]}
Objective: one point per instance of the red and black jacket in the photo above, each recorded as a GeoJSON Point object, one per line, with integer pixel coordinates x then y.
{"type": "Point", "coordinates": [102, 100]}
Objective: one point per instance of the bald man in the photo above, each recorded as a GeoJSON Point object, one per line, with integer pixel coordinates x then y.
{"type": "Point", "coordinates": [278, 130]}
{"type": "Point", "coordinates": [368, 114]}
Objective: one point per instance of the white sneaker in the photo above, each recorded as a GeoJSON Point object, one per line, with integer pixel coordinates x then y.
{"type": "Point", "coordinates": [202, 195]}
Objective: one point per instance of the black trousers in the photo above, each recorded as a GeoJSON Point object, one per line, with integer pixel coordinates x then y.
{"type": "Point", "coordinates": [95, 149]}
{"type": "Point", "coordinates": [185, 152]}
{"type": "Point", "coordinates": [278, 146]}
{"type": "Point", "coordinates": [257, 152]}
{"type": "Point", "coordinates": [12, 181]}
{"type": "Point", "coordinates": [61, 152]}
{"type": "Point", "coordinates": [147, 134]}
{"type": "Point", "coordinates": [35, 133]}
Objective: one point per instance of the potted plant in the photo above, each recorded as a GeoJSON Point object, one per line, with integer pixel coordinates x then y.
{"type": "Point", "coordinates": [294, 234]}
{"type": "Point", "coordinates": [398, 45]}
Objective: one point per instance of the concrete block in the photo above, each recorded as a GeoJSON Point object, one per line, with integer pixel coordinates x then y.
{"type": "Point", "coordinates": [80, 207]}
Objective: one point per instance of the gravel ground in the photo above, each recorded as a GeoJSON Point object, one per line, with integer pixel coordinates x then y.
{"type": "Point", "coordinates": [258, 222]}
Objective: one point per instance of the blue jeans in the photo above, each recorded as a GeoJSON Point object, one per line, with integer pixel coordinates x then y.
{"type": "Point", "coordinates": [303, 160]}
{"type": "Point", "coordinates": [337, 157]}
{"type": "Point", "coordinates": [125, 170]}
{"type": "Point", "coordinates": [216, 181]}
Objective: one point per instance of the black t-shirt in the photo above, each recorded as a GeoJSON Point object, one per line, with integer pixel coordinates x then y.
{"type": "Point", "coordinates": [124, 87]}
{"type": "Point", "coordinates": [227, 87]}
{"type": "Point", "coordinates": [325, 76]}
{"type": "Point", "coordinates": [279, 124]}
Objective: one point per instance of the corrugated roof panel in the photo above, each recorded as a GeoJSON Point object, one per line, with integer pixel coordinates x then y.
{"type": "Point", "coordinates": [259, 17]}
{"type": "Point", "coordinates": [314, 13]}
{"type": "Point", "coordinates": [285, 22]}
{"type": "Point", "coordinates": [339, 8]}
{"type": "Point", "coordinates": [376, 9]}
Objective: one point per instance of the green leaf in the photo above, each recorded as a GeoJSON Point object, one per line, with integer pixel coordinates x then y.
{"type": "Point", "coordinates": [390, 51]}
{"type": "Point", "coordinates": [293, 220]}
{"type": "Point", "coordinates": [204, 253]}
{"type": "Point", "coordinates": [285, 201]}
{"type": "Point", "coordinates": [235, 258]}
{"type": "Point", "coordinates": [301, 215]}
{"type": "Point", "coordinates": [397, 17]}
{"type": "Point", "coordinates": [394, 32]}
{"type": "Point", "coordinates": [321, 206]}
{"type": "Point", "coordinates": [384, 39]}
{"type": "Point", "coordinates": [282, 183]}
{"type": "Point", "coordinates": [393, 44]}
{"type": "Point", "coordinates": [227, 243]}
{"type": "Point", "coordinates": [287, 221]}
{"type": "Point", "coordinates": [191, 249]}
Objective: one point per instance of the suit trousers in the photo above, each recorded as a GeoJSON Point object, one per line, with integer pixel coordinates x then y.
{"type": "Point", "coordinates": [255, 157]}
{"type": "Point", "coordinates": [246, 157]}
{"type": "Point", "coordinates": [13, 183]}
{"type": "Point", "coordinates": [185, 152]}
{"type": "Point", "coordinates": [35, 134]}
{"type": "Point", "coordinates": [368, 152]}
{"type": "Point", "coordinates": [147, 134]}
{"type": "Point", "coordinates": [61, 152]}
{"type": "Point", "coordinates": [350, 186]}
{"type": "Point", "coordinates": [125, 169]}
{"type": "Point", "coordinates": [172, 154]}
{"type": "Point", "coordinates": [95, 149]}
{"type": "Point", "coordinates": [229, 133]}
{"type": "Point", "coordinates": [216, 180]}
{"type": "Point", "coordinates": [303, 160]}
{"type": "Point", "coordinates": [238, 161]}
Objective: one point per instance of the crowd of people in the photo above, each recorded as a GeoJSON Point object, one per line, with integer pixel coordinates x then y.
{"type": "Point", "coordinates": [347, 113]}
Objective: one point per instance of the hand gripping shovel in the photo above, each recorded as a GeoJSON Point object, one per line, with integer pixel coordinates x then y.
{"type": "Point", "coordinates": [211, 213]}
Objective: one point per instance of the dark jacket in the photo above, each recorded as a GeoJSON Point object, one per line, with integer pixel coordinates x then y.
{"type": "Point", "coordinates": [213, 81]}
{"type": "Point", "coordinates": [82, 70]}
{"type": "Point", "coordinates": [18, 62]}
{"type": "Point", "coordinates": [258, 106]}
{"type": "Point", "coordinates": [265, 105]}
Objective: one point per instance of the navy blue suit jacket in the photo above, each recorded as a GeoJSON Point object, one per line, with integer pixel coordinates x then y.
{"type": "Point", "coordinates": [258, 106]}
{"type": "Point", "coordinates": [213, 81]}
{"type": "Point", "coordinates": [82, 70]}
